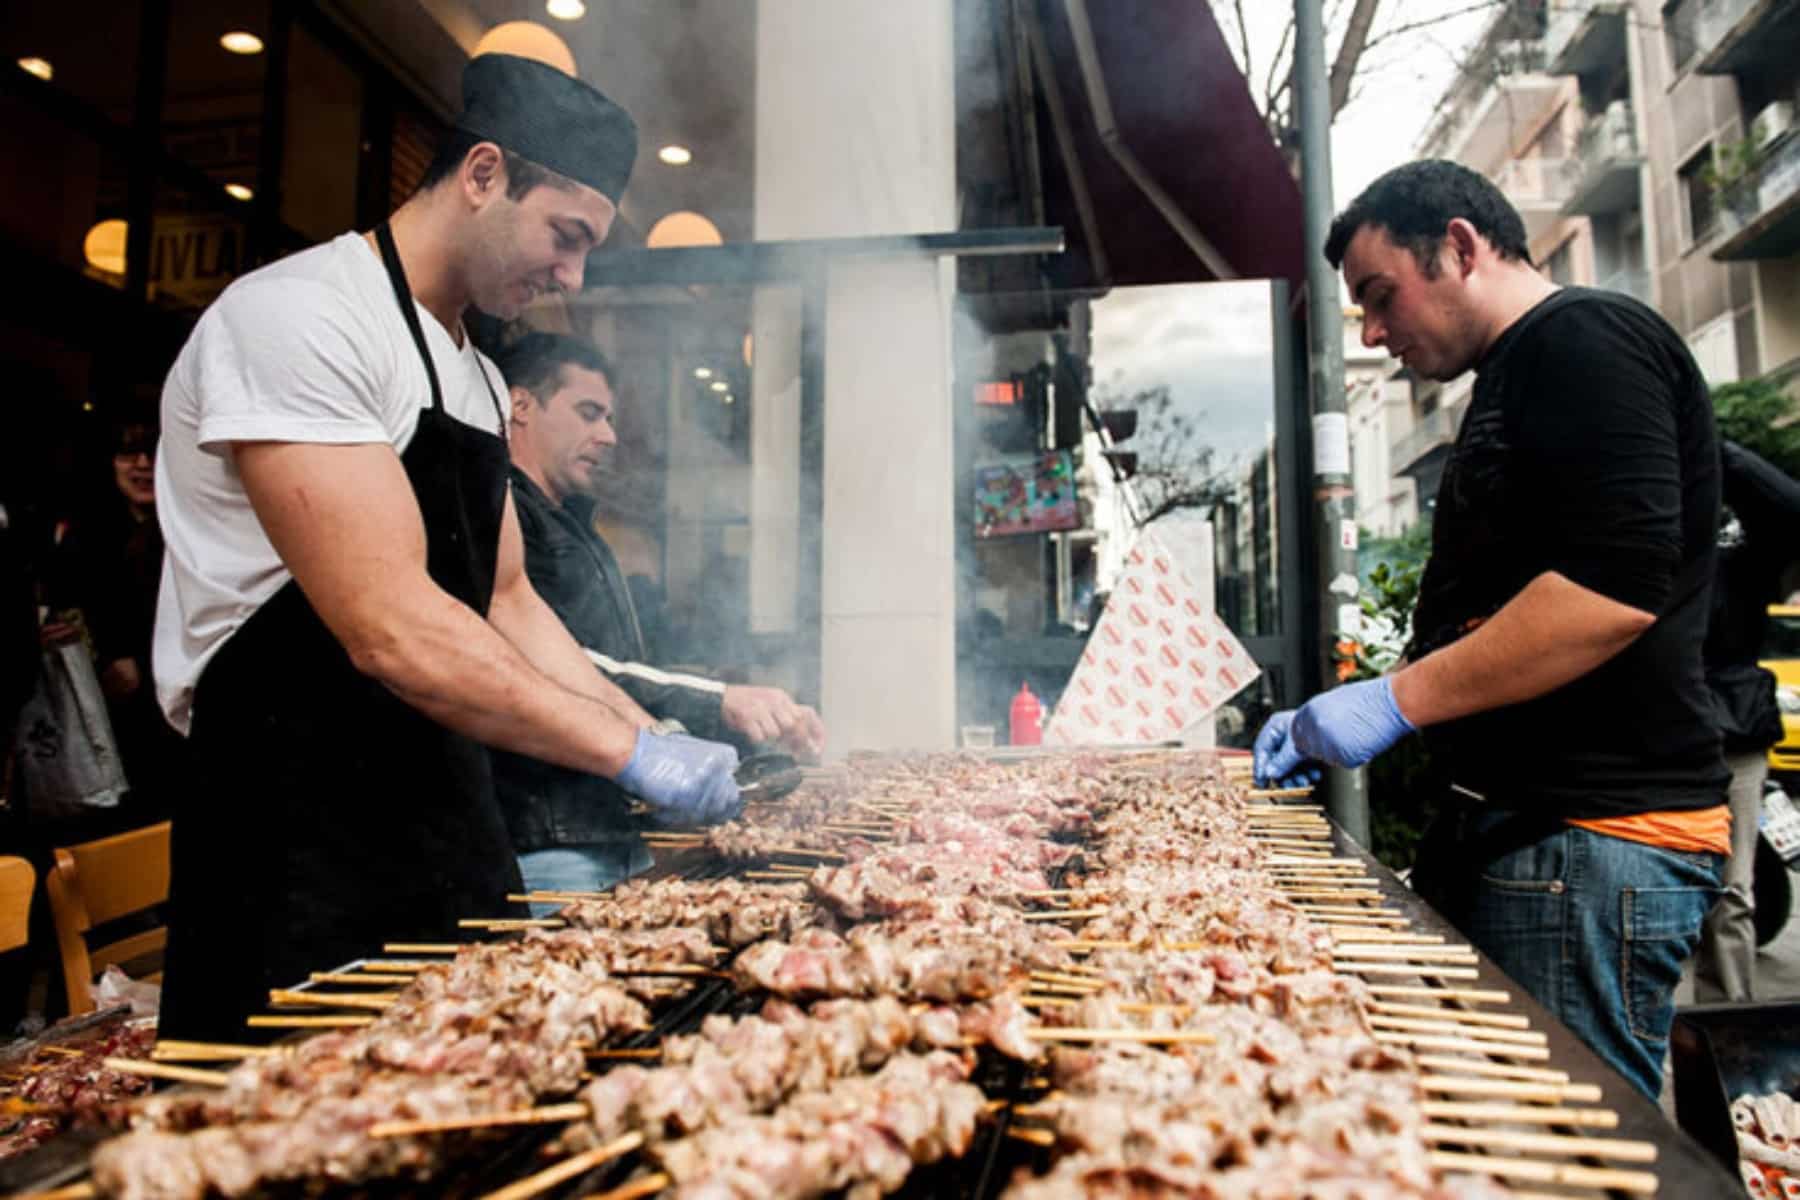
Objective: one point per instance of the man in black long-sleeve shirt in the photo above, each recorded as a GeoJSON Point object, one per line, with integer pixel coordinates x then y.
{"type": "Point", "coordinates": [1759, 538]}
{"type": "Point", "coordinates": [571, 830]}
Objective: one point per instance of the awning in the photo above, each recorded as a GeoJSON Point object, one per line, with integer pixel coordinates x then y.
{"type": "Point", "coordinates": [1182, 115]}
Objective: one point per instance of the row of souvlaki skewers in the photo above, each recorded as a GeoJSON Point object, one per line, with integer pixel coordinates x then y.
{"type": "Point", "coordinates": [1203, 998]}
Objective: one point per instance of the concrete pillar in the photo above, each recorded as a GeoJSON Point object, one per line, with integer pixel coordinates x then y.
{"type": "Point", "coordinates": [855, 137]}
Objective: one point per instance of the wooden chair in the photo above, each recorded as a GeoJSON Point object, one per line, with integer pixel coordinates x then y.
{"type": "Point", "coordinates": [17, 880]}
{"type": "Point", "coordinates": [101, 881]}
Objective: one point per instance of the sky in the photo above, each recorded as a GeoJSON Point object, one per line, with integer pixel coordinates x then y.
{"type": "Point", "coordinates": [1210, 343]}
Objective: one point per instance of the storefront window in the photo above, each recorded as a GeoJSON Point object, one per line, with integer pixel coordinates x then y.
{"type": "Point", "coordinates": [322, 141]}
{"type": "Point", "coordinates": [197, 246]}
{"type": "Point", "coordinates": [72, 211]}
{"type": "Point", "coordinates": [213, 93]}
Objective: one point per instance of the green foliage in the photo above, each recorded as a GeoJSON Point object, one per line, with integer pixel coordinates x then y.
{"type": "Point", "coordinates": [1760, 416]}
{"type": "Point", "coordinates": [1402, 790]}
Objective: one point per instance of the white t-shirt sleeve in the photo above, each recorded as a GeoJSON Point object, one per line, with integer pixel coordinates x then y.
{"type": "Point", "coordinates": [287, 361]}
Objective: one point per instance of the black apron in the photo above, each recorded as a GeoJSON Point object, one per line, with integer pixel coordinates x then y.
{"type": "Point", "coordinates": [329, 816]}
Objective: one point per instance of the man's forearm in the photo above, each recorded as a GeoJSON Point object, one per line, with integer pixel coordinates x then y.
{"type": "Point", "coordinates": [533, 627]}
{"type": "Point", "coordinates": [1550, 634]}
{"type": "Point", "coordinates": [457, 669]}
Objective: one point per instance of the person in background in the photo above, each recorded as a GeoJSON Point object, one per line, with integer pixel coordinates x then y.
{"type": "Point", "coordinates": [1759, 538]}
{"type": "Point", "coordinates": [1555, 659]}
{"type": "Point", "coordinates": [110, 566]}
{"type": "Point", "coordinates": [572, 830]}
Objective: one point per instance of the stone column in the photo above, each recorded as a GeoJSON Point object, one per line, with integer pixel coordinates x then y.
{"type": "Point", "coordinates": [855, 137]}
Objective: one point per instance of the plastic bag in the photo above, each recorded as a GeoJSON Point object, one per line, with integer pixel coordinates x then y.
{"type": "Point", "coordinates": [68, 761]}
{"type": "Point", "coordinates": [115, 987]}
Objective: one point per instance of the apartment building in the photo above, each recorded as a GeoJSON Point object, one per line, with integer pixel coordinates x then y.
{"type": "Point", "coordinates": [1652, 148]}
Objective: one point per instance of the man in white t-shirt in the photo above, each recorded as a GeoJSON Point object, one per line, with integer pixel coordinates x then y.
{"type": "Point", "coordinates": [345, 623]}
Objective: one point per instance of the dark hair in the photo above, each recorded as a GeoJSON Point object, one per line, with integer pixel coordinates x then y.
{"type": "Point", "coordinates": [1415, 203]}
{"type": "Point", "coordinates": [535, 362]}
{"type": "Point", "coordinates": [521, 173]}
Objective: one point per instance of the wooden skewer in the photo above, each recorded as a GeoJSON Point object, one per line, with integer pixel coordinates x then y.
{"type": "Point", "coordinates": [369, 1000]}
{"type": "Point", "coordinates": [1460, 1016]}
{"type": "Point", "coordinates": [1049, 1033]}
{"type": "Point", "coordinates": [1508, 1089]}
{"type": "Point", "coordinates": [1065, 914]}
{"type": "Point", "coordinates": [509, 924]}
{"type": "Point", "coordinates": [553, 897]}
{"type": "Point", "coordinates": [308, 1022]}
{"type": "Point", "coordinates": [1492, 1070]}
{"type": "Point", "coordinates": [1520, 1037]}
{"type": "Point", "coordinates": [84, 1190]}
{"type": "Point", "coordinates": [770, 875]}
{"type": "Point", "coordinates": [548, 1114]}
{"type": "Point", "coordinates": [156, 1070]}
{"type": "Point", "coordinates": [178, 1051]}
{"type": "Point", "coordinates": [1520, 1114]}
{"type": "Point", "coordinates": [1352, 967]}
{"type": "Point", "coordinates": [1339, 881]}
{"type": "Point", "coordinates": [1312, 893]}
{"type": "Point", "coordinates": [1346, 921]}
{"type": "Point", "coordinates": [356, 977]}
{"type": "Point", "coordinates": [645, 1052]}
{"type": "Point", "coordinates": [1466, 995]}
{"type": "Point", "coordinates": [422, 948]}
{"type": "Point", "coordinates": [1063, 989]}
{"type": "Point", "coordinates": [1432, 1041]}
{"type": "Point", "coordinates": [1277, 793]}
{"type": "Point", "coordinates": [1637, 1182]}
{"type": "Point", "coordinates": [1619, 1149]}
{"type": "Point", "coordinates": [569, 1168]}
{"type": "Point", "coordinates": [1348, 910]}
{"type": "Point", "coordinates": [1388, 938]}
{"type": "Point", "coordinates": [649, 1185]}
{"type": "Point", "coordinates": [1036, 1137]}
{"type": "Point", "coordinates": [1439, 954]}
{"type": "Point", "coordinates": [1067, 977]}
{"type": "Point", "coordinates": [803, 852]}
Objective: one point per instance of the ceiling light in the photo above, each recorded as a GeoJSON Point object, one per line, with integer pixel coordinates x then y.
{"type": "Point", "coordinates": [676, 156]}
{"type": "Point", "coordinates": [104, 247]}
{"type": "Point", "coordinates": [683, 229]}
{"type": "Point", "coordinates": [719, 385]}
{"type": "Point", "coordinates": [238, 191]}
{"type": "Point", "coordinates": [729, 397]}
{"type": "Point", "coordinates": [527, 39]}
{"type": "Point", "coordinates": [566, 10]}
{"type": "Point", "coordinates": [240, 41]}
{"type": "Point", "coordinates": [37, 66]}
{"type": "Point", "coordinates": [702, 372]}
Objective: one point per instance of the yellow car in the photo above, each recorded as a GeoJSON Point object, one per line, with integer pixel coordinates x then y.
{"type": "Point", "coordinates": [1781, 654]}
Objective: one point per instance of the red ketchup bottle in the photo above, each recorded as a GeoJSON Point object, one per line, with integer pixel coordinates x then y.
{"type": "Point", "coordinates": [1027, 719]}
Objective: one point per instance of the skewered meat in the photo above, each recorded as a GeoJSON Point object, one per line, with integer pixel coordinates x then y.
{"type": "Point", "coordinates": [731, 913]}
{"type": "Point", "coordinates": [67, 1085]}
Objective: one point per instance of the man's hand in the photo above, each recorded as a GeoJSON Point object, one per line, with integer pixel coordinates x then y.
{"type": "Point", "coordinates": [1345, 727]}
{"type": "Point", "coordinates": [684, 780]}
{"type": "Point", "coordinates": [121, 678]}
{"type": "Point", "coordinates": [766, 714]}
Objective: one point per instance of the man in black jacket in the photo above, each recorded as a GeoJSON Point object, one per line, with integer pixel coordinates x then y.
{"type": "Point", "coordinates": [572, 830]}
{"type": "Point", "coordinates": [1757, 541]}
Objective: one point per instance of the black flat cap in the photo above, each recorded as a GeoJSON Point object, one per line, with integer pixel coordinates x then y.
{"type": "Point", "coordinates": [553, 119]}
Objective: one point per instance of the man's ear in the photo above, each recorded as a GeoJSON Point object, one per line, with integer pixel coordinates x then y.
{"type": "Point", "coordinates": [1464, 244]}
{"type": "Point", "coordinates": [484, 172]}
{"type": "Point", "coordinates": [523, 402]}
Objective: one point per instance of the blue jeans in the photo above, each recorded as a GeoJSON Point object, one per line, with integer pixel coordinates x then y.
{"type": "Point", "coordinates": [1597, 929]}
{"type": "Point", "coordinates": [587, 868]}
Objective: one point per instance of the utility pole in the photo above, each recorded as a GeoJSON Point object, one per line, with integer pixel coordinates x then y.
{"type": "Point", "coordinates": [1334, 499]}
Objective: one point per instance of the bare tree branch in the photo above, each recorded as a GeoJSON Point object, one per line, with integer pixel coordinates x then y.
{"type": "Point", "coordinates": [1243, 31]}
{"type": "Point", "coordinates": [1350, 51]}
{"type": "Point", "coordinates": [1428, 22]}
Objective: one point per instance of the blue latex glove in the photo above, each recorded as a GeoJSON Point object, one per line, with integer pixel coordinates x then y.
{"type": "Point", "coordinates": [1345, 727]}
{"type": "Point", "coordinates": [684, 780]}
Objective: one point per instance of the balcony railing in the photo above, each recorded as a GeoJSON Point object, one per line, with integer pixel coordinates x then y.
{"type": "Point", "coordinates": [1534, 182]}
{"type": "Point", "coordinates": [1759, 215]}
{"type": "Point", "coordinates": [1734, 35]}
{"type": "Point", "coordinates": [1435, 433]}
{"type": "Point", "coordinates": [1585, 35]}
{"type": "Point", "coordinates": [1499, 91]}
{"type": "Point", "coordinates": [1604, 172]}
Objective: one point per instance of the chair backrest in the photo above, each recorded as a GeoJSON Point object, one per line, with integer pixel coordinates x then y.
{"type": "Point", "coordinates": [17, 880]}
{"type": "Point", "coordinates": [101, 881]}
